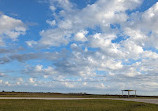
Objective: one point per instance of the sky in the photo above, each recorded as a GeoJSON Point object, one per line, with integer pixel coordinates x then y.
{"type": "Point", "coordinates": [71, 46]}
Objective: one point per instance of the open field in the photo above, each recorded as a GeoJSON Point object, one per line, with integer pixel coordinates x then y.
{"type": "Point", "coordinates": [149, 100]}
{"type": "Point", "coordinates": [58, 95]}
{"type": "Point", "coordinates": [74, 105]}
{"type": "Point", "coordinates": [61, 95]}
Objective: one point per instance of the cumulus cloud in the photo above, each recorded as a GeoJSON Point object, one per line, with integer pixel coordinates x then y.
{"type": "Point", "coordinates": [56, 37]}
{"type": "Point", "coordinates": [107, 56]}
{"type": "Point", "coordinates": [10, 28]}
{"type": "Point", "coordinates": [38, 70]}
{"type": "Point", "coordinates": [31, 43]}
{"type": "Point", "coordinates": [52, 23]}
{"type": "Point", "coordinates": [142, 27]}
{"type": "Point", "coordinates": [97, 14]}
{"type": "Point", "coordinates": [80, 36]}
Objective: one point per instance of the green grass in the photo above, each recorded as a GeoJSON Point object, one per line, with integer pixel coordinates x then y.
{"type": "Point", "coordinates": [58, 95]}
{"type": "Point", "coordinates": [62, 95]}
{"type": "Point", "coordinates": [74, 105]}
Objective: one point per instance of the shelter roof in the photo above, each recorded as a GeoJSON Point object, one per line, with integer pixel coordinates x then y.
{"type": "Point", "coordinates": [128, 90]}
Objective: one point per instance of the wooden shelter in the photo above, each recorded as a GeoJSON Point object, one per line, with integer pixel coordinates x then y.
{"type": "Point", "coordinates": [128, 92]}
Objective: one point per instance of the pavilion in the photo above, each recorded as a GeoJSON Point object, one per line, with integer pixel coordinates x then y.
{"type": "Point", "coordinates": [128, 92]}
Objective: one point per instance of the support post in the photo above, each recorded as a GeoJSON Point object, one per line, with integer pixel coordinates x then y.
{"type": "Point", "coordinates": [135, 93]}
{"type": "Point", "coordinates": [128, 94]}
{"type": "Point", "coordinates": [122, 93]}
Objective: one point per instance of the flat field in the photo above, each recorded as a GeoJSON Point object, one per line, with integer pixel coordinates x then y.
{"type": "Point", "coordinates": [54, 95]}
{"type": "Point", "coordinates": [62, 95]}
{"type": "Point", "coordinates": [74, 105]}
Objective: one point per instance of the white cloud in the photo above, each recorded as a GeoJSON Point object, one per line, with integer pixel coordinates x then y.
{"type": "Point", "coordinates": [1, 81]}
{"type": "Point", "coordinates": [52, 23]}
{"type": "Point", "coordinates": [7, 83]}
{"type": "Point", "coordinates": [142, 27]}
{"type": "Point", "coordinates": [40, 71]}
{"type": "Point", "coordinates": [65, 4]}
{"type": "Point", "coordinates": [52, 8]}
{"type": "Point", "coordinates": [74, 20]}
{"type": "Point", "coordinates": [80, 36]}
{"type": "Point", "coordinates": [31, 80]}
{"type": "Point", "coordinates": [150, 18]}
{"type": "Point", "coordinates": [10, 28]}
{"type": "Point", "coordinates": [38, 68]}
{"type": "Point", "coordinates": [132, 50]}
{"type": "Point", "coordinates": [102, 40]}
{"type": "Point", "coordinates": [70, 85]}
{"type": "Point", "coordinates": [2, 74]}
{"type": "Point", "coordinates": [31, 43]}
{"type": "Point", "coordinates": [55, 37]}
{"type": "Point", "coordinates": [101, 85]}
{"type": "Point", "coordinates": [74, 46]}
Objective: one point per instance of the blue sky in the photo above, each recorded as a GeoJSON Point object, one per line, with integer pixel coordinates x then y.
{"type": "Point", "coordinates": [93, 46]}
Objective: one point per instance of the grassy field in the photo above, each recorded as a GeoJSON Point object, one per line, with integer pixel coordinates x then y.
{"type": "Point", "coordinates": [58, 95]}
{"type": "Point", "coordinates": [74, 105]}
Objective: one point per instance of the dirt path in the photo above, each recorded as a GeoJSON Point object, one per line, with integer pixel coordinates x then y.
{"type": "Point", "coordinates": [153, 101]}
